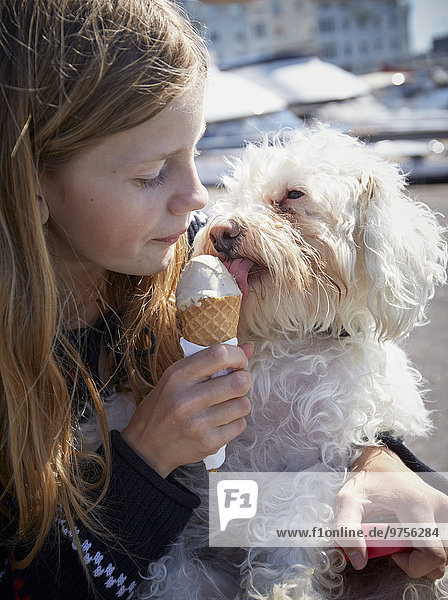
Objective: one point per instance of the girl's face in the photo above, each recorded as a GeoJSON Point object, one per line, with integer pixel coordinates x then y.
{"type": "Point", "coordinates": [122, 203]}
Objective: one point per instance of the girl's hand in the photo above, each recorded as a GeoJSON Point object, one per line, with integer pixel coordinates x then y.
{"type": "Point", "coordinates": [381, 483]}
{"type": "Point", "coordinates": [188, 416]}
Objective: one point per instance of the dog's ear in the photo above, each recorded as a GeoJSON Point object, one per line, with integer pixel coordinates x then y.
{"type": "Point", "coordinates": [403, 251]}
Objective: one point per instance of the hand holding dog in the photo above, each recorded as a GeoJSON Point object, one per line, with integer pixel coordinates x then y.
{"type": "Point", "coordinates": [188, 416]}
{"type": "Point", "coordinates": [416, 503]}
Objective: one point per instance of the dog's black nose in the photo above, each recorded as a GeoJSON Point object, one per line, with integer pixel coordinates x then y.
{"type": "Point", "coordinates": [225, 237]}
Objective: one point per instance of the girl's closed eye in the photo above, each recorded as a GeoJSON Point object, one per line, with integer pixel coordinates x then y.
{"type": "Point", "coordinates": [151, 182]}
{"type": "Point", "coordinates": [157, 180]}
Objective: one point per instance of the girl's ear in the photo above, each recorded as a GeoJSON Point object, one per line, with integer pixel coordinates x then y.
{"type": "Point", "coordinates": [43, 210]}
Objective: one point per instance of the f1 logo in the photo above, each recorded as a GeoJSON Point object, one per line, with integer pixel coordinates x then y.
{"type": "Point", "coordinates": [237, 499]}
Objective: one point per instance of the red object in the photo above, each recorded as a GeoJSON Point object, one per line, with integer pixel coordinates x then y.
{"type": "Point", "coordinates": [381, 551]}
{"type": "Point", "coordinates": [376, 551]}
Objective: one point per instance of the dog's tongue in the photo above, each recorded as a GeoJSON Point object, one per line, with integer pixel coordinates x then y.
{"type": "Point", "coordinates": [239, 268]}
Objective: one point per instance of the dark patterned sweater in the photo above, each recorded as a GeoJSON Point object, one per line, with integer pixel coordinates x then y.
{"type": "Point", "coordinates": [144, 514]}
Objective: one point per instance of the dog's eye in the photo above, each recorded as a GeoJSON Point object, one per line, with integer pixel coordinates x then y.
{"type": "Point", "coordinates": [295, 194]}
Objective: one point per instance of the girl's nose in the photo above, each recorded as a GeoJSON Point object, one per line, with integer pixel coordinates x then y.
{"type": "Point", "coordinates": [192, 195]}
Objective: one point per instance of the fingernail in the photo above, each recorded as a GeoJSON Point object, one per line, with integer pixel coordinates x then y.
{"type": "Point", "coordinates": [357, 560]}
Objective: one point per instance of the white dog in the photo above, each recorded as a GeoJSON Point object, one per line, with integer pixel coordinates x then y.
{"type": "Point", "coordinates": [336, 264]}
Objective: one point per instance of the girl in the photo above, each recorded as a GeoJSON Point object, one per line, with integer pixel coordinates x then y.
{"type": "Point", "coordinates": [101, 113]}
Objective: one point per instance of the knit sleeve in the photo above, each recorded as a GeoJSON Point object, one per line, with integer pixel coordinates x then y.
{"type": "Point", "coordinates": [143, 513]}
{"type": "Point", "coordinates": [412, 462]}
{"type": "Point", "coordinates": [198, 221]}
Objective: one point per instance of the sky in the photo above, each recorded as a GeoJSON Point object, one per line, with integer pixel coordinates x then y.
{"type": "Point", "coordinates": [428, 19]}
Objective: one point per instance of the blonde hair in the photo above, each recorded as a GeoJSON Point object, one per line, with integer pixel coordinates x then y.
{"type": "Point", "coordinates": [72, 71]}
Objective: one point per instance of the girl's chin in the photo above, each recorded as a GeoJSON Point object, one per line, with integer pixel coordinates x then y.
{"type": "Point", "coordinates": [157, 263]}
{"type": "Point", "coordinates": [146, 265]}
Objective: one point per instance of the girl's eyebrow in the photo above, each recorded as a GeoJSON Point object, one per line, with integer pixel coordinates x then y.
{"type": "Point", "coordinates": [201, 133]}
{"type": "Point", "coordinates": [161, 157]}
{"type": "Point", "coordinates": [170, 154]}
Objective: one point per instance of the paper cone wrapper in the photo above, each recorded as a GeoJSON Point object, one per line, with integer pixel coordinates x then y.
{"type": "Point", "coordinates": [213, 461]}
{"type": "Point", "coordinates": [213, 322]}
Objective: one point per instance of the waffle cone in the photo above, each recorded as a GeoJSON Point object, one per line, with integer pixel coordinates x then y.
{"type": "Point", "coordinates": [214, 322]}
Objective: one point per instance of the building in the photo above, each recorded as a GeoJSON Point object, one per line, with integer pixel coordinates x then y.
{"type": "Point", "coordinates": [357, 35]}
{"type": "Point", "coordinates": [363, 35]}
{"type": "Point", "coordinates": [249, 31]}
{"type": "Point", "coordinates": [440, 45]}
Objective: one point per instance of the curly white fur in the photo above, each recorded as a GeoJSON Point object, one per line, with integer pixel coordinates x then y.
{"type": "Point", "coordinates": [347, 264]}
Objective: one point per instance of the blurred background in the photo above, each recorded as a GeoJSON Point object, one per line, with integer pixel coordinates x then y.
{"type": "Point", "coordinates": [377, 69]}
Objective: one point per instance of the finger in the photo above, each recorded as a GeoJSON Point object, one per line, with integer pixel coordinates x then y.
{"type": "Point", "coordinates": [205, 363]}
{"type": "Point", "coordinates": [356, 555]}
{"type": "Point", "coordinates": [349, 513]}
{"type": "Point", "coordinates": [431, 548]}
{"type": "Point", "coordinates": [226, 433]}
{"type": "Point", "coordinates": [421, 561]}
{"type": "Point", "coordinates": [437, 573]}
{"type": "Point", "coordinates": [229, 411]}
{"type": "Point", "coordinates": [221, 389]}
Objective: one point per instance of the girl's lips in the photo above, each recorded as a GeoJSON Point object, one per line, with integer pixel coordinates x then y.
{"type": "Point", "coordinates": [168, 241]}
{"type": "Point", "coordinates": [172, 239]}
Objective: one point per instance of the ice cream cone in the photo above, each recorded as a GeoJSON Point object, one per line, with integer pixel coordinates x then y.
{"type": "Point", "coordinates": [208, 301]}
{"type": "Point", "coordinates": [213, 322]}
